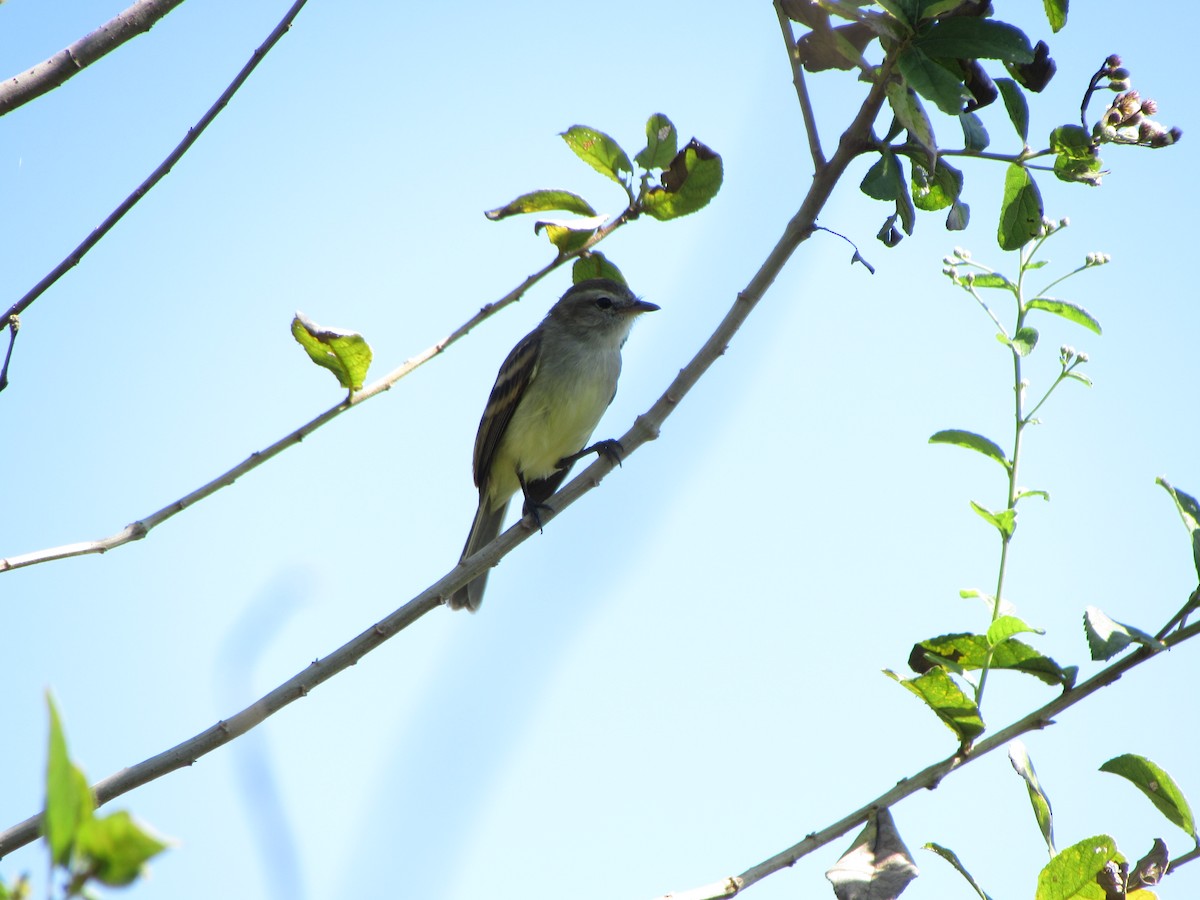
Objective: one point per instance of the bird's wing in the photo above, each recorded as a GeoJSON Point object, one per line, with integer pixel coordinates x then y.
{"type": "Point", "coordinates": [516, 373]}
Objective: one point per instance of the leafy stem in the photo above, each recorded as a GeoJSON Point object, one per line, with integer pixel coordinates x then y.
{"type": "Point", "coordinates": [1021, 339]}
{"type": "Point", "coordinates": [1020, 421]}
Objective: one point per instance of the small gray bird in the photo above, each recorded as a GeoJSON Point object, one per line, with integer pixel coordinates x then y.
{"type": "Point", "coordinates": [547, 400]}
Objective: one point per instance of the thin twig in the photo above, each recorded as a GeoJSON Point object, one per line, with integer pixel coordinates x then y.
{"type": "Point", "coordinates": [154, 177]}
{"type": "Point", "coordinates": [137, 530]}
{"type": "Point", "coordinates": [931, 776]}
{"type": "Point", "coordinates": [645, 428]}
{"type": "Point", "coordinates": [66, 63]}
{"type": "Point", "coordinates": [806, 110]}
{"type": "Point", "coordinates": [14, 325]}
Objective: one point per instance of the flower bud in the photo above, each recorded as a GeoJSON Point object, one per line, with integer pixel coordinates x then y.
{"type": "Point", "coordinates": [1150, 131]}
{"type": "Point", "coordinates": [1149, 107]}
{"type": "Point", "coordinates": [1129, 103]}
{"type": "Point", "coordinates": [1113, 61]}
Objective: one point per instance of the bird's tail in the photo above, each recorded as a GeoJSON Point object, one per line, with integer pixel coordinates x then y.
{"type": "Point", "coordinates": [484, 530]}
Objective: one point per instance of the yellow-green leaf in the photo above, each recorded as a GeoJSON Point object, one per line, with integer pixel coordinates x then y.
{"type": "Point", "coordinates": [345, 353]}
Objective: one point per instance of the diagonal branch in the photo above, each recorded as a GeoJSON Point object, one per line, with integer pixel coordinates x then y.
{"type": "Point", "coordinates": [66, 63]}
{"type": "Point", "coordinates": [645, 428]}
{"type": "Point", "coordinates": [806, 109]}
{"type": "Point", "coordinates": [137, 530]}
{"type": "Point", "coordinates": [164, 167]}
{"type": "Point", "coordinates": [931, 776]}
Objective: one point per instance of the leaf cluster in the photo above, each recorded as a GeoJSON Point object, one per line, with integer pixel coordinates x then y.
{"type": "Point", "coordinates": [938, 55]}
{"type": "Point", "coordinates": [1093, 868]}
{"type": "Point", "coordinates": [112, 850]}
{"type": "Point", "coordinates": [661, 181]}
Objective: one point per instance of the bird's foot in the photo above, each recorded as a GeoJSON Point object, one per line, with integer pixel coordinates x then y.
{"type": "Point", "coordinates": [610, 449]}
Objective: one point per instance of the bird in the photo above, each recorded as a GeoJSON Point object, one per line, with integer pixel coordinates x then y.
{"type": "Point", "coordinates": [548, 398]}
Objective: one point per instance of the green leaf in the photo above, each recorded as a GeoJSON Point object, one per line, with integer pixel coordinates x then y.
{"type": "Point", "coordinates": [974, 651]}
{"type": "Point", "coordinates": [599, 151]}
{"type": "Point", "coordinates": [949, 856]}
{"type": "Point", "coordinates": [1005, 521]}
{"type": "Point", "coordinates": [1073, 870]}
{"type": "Point", "coordinates": [688, 184]}
{"type": "Point", "coordinates": [991, 280]}
{"type": "Point", "coordinates": [885, 179]}
{"type": "Point", "coordinates": [1025, 340]}
{"type": "Point", "coordinates": [1021, 211]}
{"type": "Point", "coordinates": [905, 11]}
{"type": "Point", "coordinates": [942, 695]}
{"type": "Point", "coordinates": [906, 211]}
{"type": "Point", "coordinates": [346, 354]}
{"type": "Point", "coordinates": [18, 890]}
{"type": "Point", "coordinates": [69, 800]}
{"type": "Point", "coordinates": [1006, 627]}
{"type": "Point", "coordinates": [969, 37]}
{"type": "Point", "coordinates": [971, 441]}
{"type": "Point", "coordinates": [595, 265]}
{"type": "Point", "coordinates": [988, 601]}
{"type": "Point", "coordinates": [888, 233]}
{"type": "Point", "coordinates": [1045, 495]}
{"type": "Point", "coordinates": [1156, 784]}
{"type": "Point", "coordinates": [1072, 141]}
{"type": "Point", "coordinates": [116, 848]}
{"type": "Point", "coordinates": [933, 81]}
{"type": "Point", "coordinates": [975, 136]}
{"type": "Point", "coordinates": [1056, 14]}
{"type": "Point", "coordinates": [541, 201]}
{"type": "Point", "coordinates": [1023, 765]}
{"type": "Point", "coordinates": [1079, 171]}
{"type": "Point", "coordinates": [833, 48]}
{"type": "Point", "coordinates": [1076, 158]}
{"type": "Point", "coordinates": [1185, 503]}
{"type": "Point", "coordinates": [1016, 105]}
{"type": "Point", "coordinates": [939, 190]}
{"type": "Point", "coordinates": [1066, 310]}
{"type": "Point", "coordinates": [662, 142]}
{"type": "Point", "coordinates": [1189, 511]}
{"type": "Point", "coordinates": [959, 216]}
{"type": "Point", "coordinates": [1107, 637]}
{"type": "Point", "coordinates": [931, 9]}
{"type": "Point", "coordinates": [1017, 656]}
{"type": "Point", "coordinates": [911, 115]}
{"type": "Point", "coordinates": [569, 235]}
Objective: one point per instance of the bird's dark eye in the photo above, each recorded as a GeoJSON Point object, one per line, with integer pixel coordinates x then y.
{"type": "Point", "coordinates": [604, 302]}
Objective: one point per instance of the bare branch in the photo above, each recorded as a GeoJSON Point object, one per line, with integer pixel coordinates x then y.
{"type": "Point", "coordinates": [931, 776]}
{"type": "Point", "coordinates": [139, 529]}
{"type": "Point", "coordinates": [14, 326]}
{"type": "Point", "coordinates": [65, 64]}
{"type": "Point", "coordinates": [645, 428]}
{"type": "Point", "coordinates": [806, 110]}
{"type": "Point", "coordinates": [154, 177]}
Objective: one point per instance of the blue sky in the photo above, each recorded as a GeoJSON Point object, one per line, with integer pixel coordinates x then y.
{"type": "Point", "coordinates": [681, 677]}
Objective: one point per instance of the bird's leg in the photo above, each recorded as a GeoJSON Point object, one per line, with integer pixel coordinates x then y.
{"type": "Point", "coordinates": [533, 506]}
{"type": "Point", "coordinates": [610, 449]}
